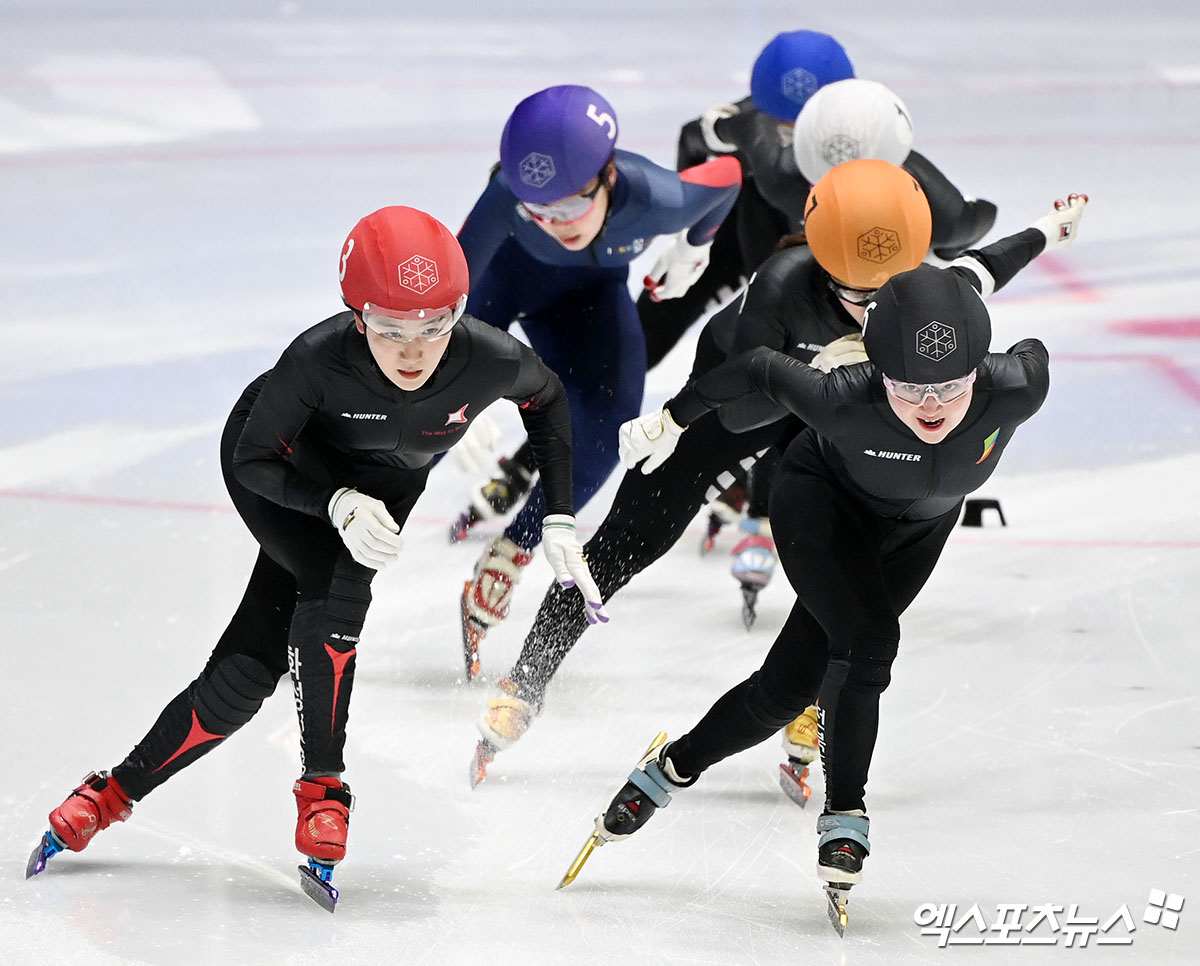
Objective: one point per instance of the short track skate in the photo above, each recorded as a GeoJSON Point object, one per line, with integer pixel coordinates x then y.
{"type": "Point", "coordinates": [46, 849]}
{"type": "Point", "coordinates": [597, 839]}
{"type": "Point", "coordinates": [316, 879]}
{"type": "Point", "coordinates": [837, 895]}
{"type": "Point", "coordinates": [485, 753]}
{"type": "Point", "coordinates": [793, 779]}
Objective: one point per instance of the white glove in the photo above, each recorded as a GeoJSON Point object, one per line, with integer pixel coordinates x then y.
{"type": "Point", "coordinates": [708, 120]}
{"type": "Point", "coordinates": [562, 548]}
{"type": "Point", "coordinates": [677, 268]}
{"type": "Point", "coordinates": [476, 450]}
{"type": "Point", "coordinates": [1060, 225]}
{"type": "Point", "coordinates": [366, 528]}
{"type": "Point", "coordinates": [846, 351]}
{"type": "Point", "coordinates": [654, 435]}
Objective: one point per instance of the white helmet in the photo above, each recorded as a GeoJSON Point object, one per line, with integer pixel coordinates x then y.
{"type": "Point", "coordinates": [847, 120]}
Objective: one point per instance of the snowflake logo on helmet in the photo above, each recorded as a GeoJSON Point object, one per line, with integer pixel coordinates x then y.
{"type": "Point", "coordinates": [878, 244]}
{"type": "Point", "coordinates": [799, 85]}
{"type": "Point", "coordinates": [537, 169]}
{"type": "Point", "coordinates": [936, 341]}
{"type": "Point", "coordinates": [839, 149]}
{"type": "Point", "coordinates": [418, 274]}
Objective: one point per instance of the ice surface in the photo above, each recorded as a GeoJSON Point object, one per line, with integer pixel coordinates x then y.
{"type": "Point", "coordinates": [175, 181]}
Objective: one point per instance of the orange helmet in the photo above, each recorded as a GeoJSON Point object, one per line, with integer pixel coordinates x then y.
{"type": "Point", "coordinates": [865, 221]}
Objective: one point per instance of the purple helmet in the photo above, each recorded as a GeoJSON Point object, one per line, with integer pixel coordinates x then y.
{"type": "Point", "coordinates": [791, 68]}
{"type": "Point", "coordinates": [556, 141]}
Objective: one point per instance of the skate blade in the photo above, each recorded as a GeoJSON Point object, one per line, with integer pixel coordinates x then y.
{"type": "Point", "coordinates": [470, 637]}
{"type": "Point", "coordinates": [485, 752]}
{"type": "Point", "coordinates": [594, 842]}
{"type": "Point", "coordinates": [749, 602]}
{"type": "Point", "coordinates": [836, 896]}
{"type": "Point", "coordinates": [794, 786]}
{"type": "Point", "coordinates": [320, 890]}
{"type": "Point", "coordinates": [46, 849]}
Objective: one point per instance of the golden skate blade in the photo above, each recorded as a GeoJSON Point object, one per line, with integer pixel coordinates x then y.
{"type": "Point", "coordinates": [656, 743]}
{"type": "Point", "coordinates": [590, 846]}
{"type": "Point", "coordinates": [836, 900]}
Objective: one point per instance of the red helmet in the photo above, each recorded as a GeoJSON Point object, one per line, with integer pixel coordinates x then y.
{"type": "Point", "coordinates": [405, 264]}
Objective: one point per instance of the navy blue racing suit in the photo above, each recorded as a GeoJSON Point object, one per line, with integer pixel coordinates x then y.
{"type": "Point", "coordinates": [575, 306]}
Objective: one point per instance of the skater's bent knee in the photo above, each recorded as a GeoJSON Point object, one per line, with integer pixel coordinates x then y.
{"type": "Point", "coordinates": [773, 708]}
{"type": "Point", "coordinates": [232, 693]}
{"type": "Point", "coordinates": [873, 675]}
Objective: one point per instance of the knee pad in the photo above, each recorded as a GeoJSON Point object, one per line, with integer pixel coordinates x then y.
{"type": "Point", "coordinates": [772, 708]}
{"type": "Point", "coordinates": [873, 672]}
{"type": "Point", "coordinates": [232, 693]}
{"type": "Point", "coordinates": [345, 609]}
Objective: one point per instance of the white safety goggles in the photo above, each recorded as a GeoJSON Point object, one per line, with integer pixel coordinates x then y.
{"type": "Point", "coordinates": [915, 392]}
{"type": "Point", "coordinates": [400, 325]}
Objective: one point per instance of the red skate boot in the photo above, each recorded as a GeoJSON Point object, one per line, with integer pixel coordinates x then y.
{"type": "Point", "coordinates": [92, 807]}
{"type": "Point", "coordinates": [323, 807]}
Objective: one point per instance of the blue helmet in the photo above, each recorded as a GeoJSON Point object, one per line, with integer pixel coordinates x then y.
{"type": "Point", "coordinates": [791, 68]}
{"type": "Point", "coordinates": [556, 141]}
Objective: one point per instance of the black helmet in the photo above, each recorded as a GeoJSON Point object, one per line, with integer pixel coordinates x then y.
{"type": "Point", "coordinates": [927, 326]}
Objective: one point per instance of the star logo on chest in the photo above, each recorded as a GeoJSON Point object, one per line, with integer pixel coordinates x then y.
{"type": "Point", "coordinates": [458, 416]}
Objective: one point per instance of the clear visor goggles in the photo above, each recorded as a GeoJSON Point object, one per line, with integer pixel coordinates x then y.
{"type": "Point", "coordinates": [915, 393]}
{"type": "Point", "coordinates": [568, 209]}
{"type": "Point", "coordinates": [406, 325]}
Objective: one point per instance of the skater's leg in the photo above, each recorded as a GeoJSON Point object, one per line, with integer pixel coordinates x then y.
{"type": "Point", "coordinates": [593, 341]}
{"type": "Point", "coordinates": [241, 673]}
{"type": "Point", "coordinates": [860, 670]}
{"type": "Point", "coordinates": [649, 514]}
{"type": "Point", "coordinates": [755, 709]}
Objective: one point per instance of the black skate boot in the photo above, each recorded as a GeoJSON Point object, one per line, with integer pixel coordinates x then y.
{"type": "Point", "coordinates": [495, 497]}
{"type": "Point", "coordinates": [648, 789]}
{"type": "Point", "coordinates": [840, 852]}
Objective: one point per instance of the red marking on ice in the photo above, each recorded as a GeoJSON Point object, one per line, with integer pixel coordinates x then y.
{"type": "Point", "coordinates": [115, 501]}
{"type": "Point", "coordinates": [119, 501]}
{"type": "Point", "coordinates": [1163, 328]}
{"type": "Point", "coordinates": [1170, 370]}
{"type": "Point", "coordinates": [1078, 289]}
{"type": "Point", "coordinates": [583, 527]}
{"type": "Point", "coordinates": [1102, 544]}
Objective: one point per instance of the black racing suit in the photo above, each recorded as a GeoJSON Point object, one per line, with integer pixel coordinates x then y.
{"type": "Point", "coordinates": [860, 510]}
{"type": "Point", "coordinates": [770, 205]}
{"type": "Point", "coordinates": [789, 307]}
{"type": "Point", "coordinates": [325, 417]}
